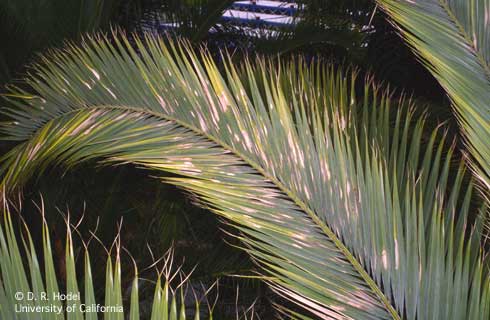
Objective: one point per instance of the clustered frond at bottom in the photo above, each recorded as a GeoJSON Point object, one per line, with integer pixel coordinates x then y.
{"type": "Point", "coordinates": [33, 291]}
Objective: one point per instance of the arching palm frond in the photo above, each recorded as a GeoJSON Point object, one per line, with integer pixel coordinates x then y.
{"type": "Point", "coordinates": [349, 218]}
{"type": "Point", "coordinates": [453, 39]}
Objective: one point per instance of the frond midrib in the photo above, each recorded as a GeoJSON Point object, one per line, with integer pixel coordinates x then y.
{"type": "Point", "coordinates": [296, 200]}
{"type": "Point", "coordinates": [464, 34]}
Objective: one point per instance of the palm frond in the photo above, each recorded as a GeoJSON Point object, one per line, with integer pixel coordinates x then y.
{"type": "Point", "coordinates": [349, 218]}
{"type": "Point", "coordinates": [26, 294]}
{"type": "Point", "coordinates": [453, 39]}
